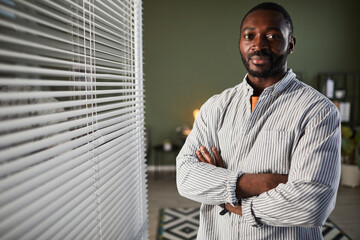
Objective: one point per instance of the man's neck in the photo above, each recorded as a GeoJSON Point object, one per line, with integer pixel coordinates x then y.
{"type": "Point", "coordinates": [259, 84]}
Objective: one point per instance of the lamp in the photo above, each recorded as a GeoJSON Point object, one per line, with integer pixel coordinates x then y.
{"type": "Point", "coordinates": [196, 112]}
{"type": "Point", "coordinates": [185, 131]}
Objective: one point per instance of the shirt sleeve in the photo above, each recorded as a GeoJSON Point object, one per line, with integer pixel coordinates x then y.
{"type": "Point", "coordinates": [308, 197]}
{"type": "Point", "coordinates": [200, 181]}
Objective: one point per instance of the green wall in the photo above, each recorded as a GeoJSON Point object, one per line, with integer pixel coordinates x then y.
{"type": "Point", "coordinates": [191, 51]}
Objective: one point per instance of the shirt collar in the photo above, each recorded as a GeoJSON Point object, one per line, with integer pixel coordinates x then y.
{"type": "Point", "coordinates": [278, 87]}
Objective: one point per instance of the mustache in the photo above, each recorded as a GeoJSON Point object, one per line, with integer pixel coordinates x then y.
{"type": "Point", "coordinates": [262, 52]}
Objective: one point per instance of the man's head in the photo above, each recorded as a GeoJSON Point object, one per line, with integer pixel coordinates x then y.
{"type": "Point", "coordinates": [266, 39]}
{"type": "Point", "coordinates": [275, 7]}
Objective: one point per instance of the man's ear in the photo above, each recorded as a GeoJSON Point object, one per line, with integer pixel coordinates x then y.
{"type": "Point", "coordinates": [292, 43]}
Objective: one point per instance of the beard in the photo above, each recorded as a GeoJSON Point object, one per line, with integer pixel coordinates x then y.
{"type": "Point", "coordinates": [276, 65]}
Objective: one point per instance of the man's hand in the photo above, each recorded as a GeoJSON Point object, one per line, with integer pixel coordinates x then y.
{"type": "Point", "coordinates": [204, 156]}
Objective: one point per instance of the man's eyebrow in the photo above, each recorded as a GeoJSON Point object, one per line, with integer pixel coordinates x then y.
{"type": "Point", "coordinates": [248, 29]}
{"type": "Point", "coordinates": [274, 28]}
{"type": "Point", "coordinates": [269, 28]}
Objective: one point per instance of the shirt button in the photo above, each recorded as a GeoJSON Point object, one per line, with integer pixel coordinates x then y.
{"type": "Point", "coordinates": [234, 224]}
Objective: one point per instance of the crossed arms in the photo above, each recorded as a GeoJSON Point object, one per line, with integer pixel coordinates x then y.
{"type": "Point", "coordinates": [248, 184]}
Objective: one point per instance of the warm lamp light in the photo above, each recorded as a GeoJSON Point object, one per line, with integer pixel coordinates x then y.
{"type": "Point", "coordinates": [186, 130]}
{"type": "Point", "coordinates": [196, 112]}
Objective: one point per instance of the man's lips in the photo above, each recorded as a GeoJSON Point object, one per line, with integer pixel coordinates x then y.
{"type": "Point", "coordinates": [259, 60]}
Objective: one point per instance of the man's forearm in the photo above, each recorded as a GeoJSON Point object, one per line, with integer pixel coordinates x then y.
{"type": "Point", "coordinates": [249, 184]}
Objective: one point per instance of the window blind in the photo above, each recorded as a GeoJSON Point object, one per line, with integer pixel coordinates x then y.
{"type": "Point", "coordinates": [72, 145]}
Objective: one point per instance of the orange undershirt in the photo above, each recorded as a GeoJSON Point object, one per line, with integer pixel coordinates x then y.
{"type": "Point", "coordinates": [253, 101]}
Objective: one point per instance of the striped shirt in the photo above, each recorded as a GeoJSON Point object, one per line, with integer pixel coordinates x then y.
{"type": "Point", "coordinates": [293, 130]}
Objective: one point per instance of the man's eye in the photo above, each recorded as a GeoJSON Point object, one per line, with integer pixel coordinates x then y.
{"type": "Point", "coordinates": [248, 36]}
{"type": "Point", "coordinates": [272, 36]}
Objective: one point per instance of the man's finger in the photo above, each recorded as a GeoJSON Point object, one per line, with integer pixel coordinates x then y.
{"type": "Point", "coordinates": [218, 158]}
{"type": "Point", "coordinates": [207, 155]}
{"type": "Point", "coordinates": [200, 156]}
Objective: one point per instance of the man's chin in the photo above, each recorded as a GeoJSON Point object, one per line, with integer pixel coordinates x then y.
{"type": "Point", "coordinates": [260, 67]}
{"type": "Point", "coordinates": [259, 73]}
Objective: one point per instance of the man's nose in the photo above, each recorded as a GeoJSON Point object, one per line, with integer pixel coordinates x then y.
{"type": "Point", "coordinates": [259, 43]}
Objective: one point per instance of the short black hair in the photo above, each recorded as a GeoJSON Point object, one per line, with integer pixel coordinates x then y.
{"type": "Point", "coordinates": [275, 7]}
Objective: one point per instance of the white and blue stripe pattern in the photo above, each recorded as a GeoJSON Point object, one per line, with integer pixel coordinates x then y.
{"type": "Point", "coordinates": [292, 130]}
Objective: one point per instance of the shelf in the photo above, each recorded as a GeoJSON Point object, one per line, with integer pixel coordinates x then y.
{"type": "Point", "coordinates": [341, 88]}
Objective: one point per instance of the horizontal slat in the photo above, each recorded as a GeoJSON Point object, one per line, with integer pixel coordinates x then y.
{"type": "Point", "coordinates": [57, 37]}
{"type": "Point", "coordinates": [140, 227]}
{"type": "Point", "coordinates": [72, 220]}
{"type": "Point", "coordinates": [66, 227]}
{"type": "Point", "coordinates": [73, 14]}
{"type": "Point", "coordinates": [47, 60]}
{"type": "Point", "coordinates": [33, 121]}
{"type": "Point", "coordinates": [106, 24]}
{"type": "Point", "coordinates": [49, 130]}
{"type": "Point", "coordinates": [87, 12]}
{"type": "Point", "coordinates": [106, 177]}
{"type": "Point", "coordinates": [118, 194]}
{"type": "Point", "coordinates": [124, 223]}
{"type": "Point", "coordinates": [63, 144]}
{"type": "Point", "coordinates": [65, 30]}
{"type": "Point", "coordinates": [54, 201]}
{"type": "Point", "coordinates": [91, 228]}
{"type": "Point", "coordinates": [35, 146]}
{"type": "Point", "coordinates": [98, 16]}
{"type": "Point", "coordinates": [59, 207]}
{"type": "Point", "coordinates": [90, 232]}
{"type": "Point", "coordinates": [56, 94]}
{"type": "Point", "coordinates": [43, 82]}
{"type": "Point", "coordinates": [8, 68]}
{"type": "Point", "coordinates": [87, 227]}
{"type": "Point", "coordinates": [37, 108]}
{"type": "Point", "coordinates": [70, 225]}
{"type": "Point", "coordinates": [61, 228]}
{"type": "Point", "coordinates": [112, 155]}
{"type": "Point", "coordinates": [25, 187]}
{"type": "Point", "coordinates": [122, 7]}
{"type": "Point", "coordinates": [23, 218]}
{"type": "Point", "coordinates": [124, 12]}
{"type": "Point", "coordinates": [52, 178]}
{"type": "Point", "coordinates": [67, 53]}
{"type": "Point", "coordinates": [120, 209]}
{"type": "Point", "coordinates": [33, 177]}
{"type": "Point", "coordinates": [121, 213]}
{"type": "Point", "coordinates": [108, 189]}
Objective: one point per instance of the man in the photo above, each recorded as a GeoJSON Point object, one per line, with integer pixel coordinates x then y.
{"type": "Point", "coordinates": [263, 157]}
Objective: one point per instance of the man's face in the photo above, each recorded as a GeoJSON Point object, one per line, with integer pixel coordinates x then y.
{"type": "Point", "coordinates": [264, 43]}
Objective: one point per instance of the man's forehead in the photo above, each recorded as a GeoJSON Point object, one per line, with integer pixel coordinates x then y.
{"type": "Point", "coordinates": [265, 17]}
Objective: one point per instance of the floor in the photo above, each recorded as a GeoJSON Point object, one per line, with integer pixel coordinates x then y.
{"type": "Point", "coordinates": [162, 193]}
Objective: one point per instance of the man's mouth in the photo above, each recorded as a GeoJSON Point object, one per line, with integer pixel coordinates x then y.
{"type": "Point", "coordinates": [259, 60]}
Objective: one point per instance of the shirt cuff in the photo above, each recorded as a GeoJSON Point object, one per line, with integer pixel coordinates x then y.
{"type": "Point", "coordinates": [231, 187]}
{"type": "Point", "coordinates": [248, 212]}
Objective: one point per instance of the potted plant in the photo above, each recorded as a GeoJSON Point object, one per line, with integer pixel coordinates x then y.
{"type": "Point", "coordinates": [350, 167]}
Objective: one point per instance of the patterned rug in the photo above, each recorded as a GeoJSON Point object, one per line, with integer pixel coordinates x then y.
{"type": "Point", "coordinates": [182, 224]}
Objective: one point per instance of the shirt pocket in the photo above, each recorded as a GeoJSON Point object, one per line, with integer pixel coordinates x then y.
{"type": "Point", "coordinates": [270, 153]}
